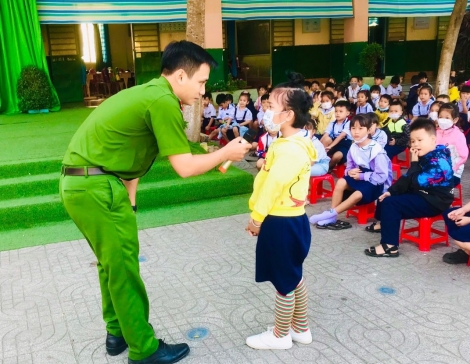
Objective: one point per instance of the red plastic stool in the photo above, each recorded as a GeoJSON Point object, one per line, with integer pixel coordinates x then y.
{"type": "Point", "coordinates": [396, 169]}
{"type": "Point", "coordinates": [339, 170]}
{"type": "Point", "coordinates": [458, 201]}
{"type": "Point", "coordinates": [317, 190]}
{"type": "Point", "coordinates": [403, 163]}
{"type": "Point", "coordinates": [362, 212]}
{"type": "Point", "coordinates": [424, 231]}
{"type": "Point", "coordinates": [222, 142]}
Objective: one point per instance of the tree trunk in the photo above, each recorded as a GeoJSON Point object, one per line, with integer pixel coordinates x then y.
{"type": "Point", "coordinates": [448, 48]}
{"type": "Point", "coordinates": [195, 32]}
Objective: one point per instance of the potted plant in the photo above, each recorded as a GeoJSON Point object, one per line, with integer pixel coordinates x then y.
{"type": "Point", "coordinates": [369, 57]}
{"type": "Point", "coordinates": [34, 91]}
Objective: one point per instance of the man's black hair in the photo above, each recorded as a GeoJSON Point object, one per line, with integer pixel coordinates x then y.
{"type": "Point", "coordinates": [185, 55]}
{"type": "Point", "coordinates": [422, 123]}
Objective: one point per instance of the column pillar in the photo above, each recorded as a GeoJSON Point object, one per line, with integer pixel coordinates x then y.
{"type": "Point", "coordinates": [356, 36]}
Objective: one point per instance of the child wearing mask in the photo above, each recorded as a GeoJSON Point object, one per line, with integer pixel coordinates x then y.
{"type": "Point", "coordinates": [434, 111]}
{"type": "Point", "coordinates": [376, 133]}
{"type": "Point", "coordinates": [397, 130]}
{"type": "Point", "coordinates": [421, 109]}
{"type": "Point", "coordinates": [352, 90]}
{"type": "Point", "coordinates": [368, 174]}
{"type": "Point", "coordinates": [449, 134]}
{"type": "Point", "coordinates": [323, 113]}
{"type": "Point", "coordinates": [426, 190]}
{"type": "Point", "coordinates": [278, 216]}
{"type": "Point", "coordinates": [375, 95]}
{"type": "Point", "coordinates": [364, 103]}
{"type": "Point", "coordinates": [382, 109]}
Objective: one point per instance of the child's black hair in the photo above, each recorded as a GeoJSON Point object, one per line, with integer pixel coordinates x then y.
{"type": "Point", "coordinates": [440, 103]}
{"type": "Point", "coordinates": [207, 95]}
{"type": "Point", "coordinates": [295, 98]}
{"type": "Point", "coordinates": [229, 97]}
{"type": "Point", "coordinates": [340, 89]}
{"type": "Point", "coordinates": [425, 124]}
{"type": "Point", "coordinates": [245, 94]}
{"type": "Point", "coordinates": [422, 75]}
{"type": "Point", "coordinates": [395, 80]}
{"type": "Point", "coordinates": [426, 87]}
{"type": "Point", "coordinates": [262, 86]}
{"type": "Point", "coordinates": [329, 94]}
{"type": "Point", "coordinates": [330, 85]}
{"type": "Point", "coordinates": [220, 99]}
{"type": "Point", "coordinates": [362, 119]}
{"type": "Point", "coordinates": [315, 82]}
{"type": "Point", "coordinates": [265, 97]}
{"type": "Point", "coordinates": [343, 103]}
{"type": "Point", "coordinates": [444, 96]}
{"type": "Point", "coordinates": [373, 117]}
{"type": "Point", "coordinates": [451, 80]}
{"type": "Point", "coordinates": [308, 84]}
{"type": "Point", "coordinates": [465, 89]}
{"type": "Point", "coordinates": [368, 97]}
{"type": "Point", "coordinates": [311, 124]}
{"type": "Point", "coordinates": [356, 77]}
{"type": "Point", "coordinates": [379, 76]}
{"type": "Point", "coordinates": [185, 55]}
{"type": "Point", "coordinates": [318, 92]}
{"type": "Point", "coordinates": [359, 78]}
{"type": "Point", "coordinates": [375, 88]}
{"type": "Point", "coordinates": [386, 97]}
{"type": "Point", "coordinates": [449, 106]}
{"type": "Point", "coordinates": [414, 80]}
{"type": "Point", "coordinates": [397, 103]}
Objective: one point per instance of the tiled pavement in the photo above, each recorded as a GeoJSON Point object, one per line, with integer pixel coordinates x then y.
{"type": "Point", "coordinates": [413, 309]}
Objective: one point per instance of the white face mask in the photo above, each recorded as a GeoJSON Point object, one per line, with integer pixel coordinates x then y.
{"type": "Point", "coordinates": [268, 120]}
{"type": "Point", "coordinates": [374, 96]}
{"type": "Point", "coordinates": [361, 140]}
{"type": "Point", "coordinates": [326, 105]}
{"type": "Point", "coordinates": [394, 116]}
{"type": "Point", "coordinates": [433, 115]}
{"type": "Point", "coordinates": [445, 124]}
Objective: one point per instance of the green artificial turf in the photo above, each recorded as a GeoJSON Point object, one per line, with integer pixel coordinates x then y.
{"type": "Point", "coordinates": [167, 215]}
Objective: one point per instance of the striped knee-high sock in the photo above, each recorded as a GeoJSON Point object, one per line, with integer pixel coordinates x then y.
{"type": "Point", "coordinates": [299, 319]}
{"type": "Point", "coordinates": [283, 313]}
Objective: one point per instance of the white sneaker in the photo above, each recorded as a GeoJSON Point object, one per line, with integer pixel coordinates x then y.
{"type": "Point", "coordinates": [301, 337]}
{"type": "Point", "coordinates": [267, 341]}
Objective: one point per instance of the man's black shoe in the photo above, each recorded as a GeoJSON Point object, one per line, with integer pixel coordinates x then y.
{"type": "Point", "coordinates": [165, 354]}
{"type": "Point", "coordinates": [115, 345]}
{"type": "Point", "coordinates": [457, 257]}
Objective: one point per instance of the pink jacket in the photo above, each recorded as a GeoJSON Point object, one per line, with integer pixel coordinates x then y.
{"type": "Point", "coordinates": [455, 141]}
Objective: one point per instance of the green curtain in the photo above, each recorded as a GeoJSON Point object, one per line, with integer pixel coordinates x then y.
{"type": "Point", "coordinates": [21, 45]}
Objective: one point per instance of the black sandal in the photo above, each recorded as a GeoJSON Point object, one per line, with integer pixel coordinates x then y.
{"type": "Point", "coordinates": [325, 226]}
{"type": "Point", "coordinates": [372, 229]}
{"type": "Point", "coordinates": [388, 253]}
{"type": "Point", "coordinates": [339, 225]}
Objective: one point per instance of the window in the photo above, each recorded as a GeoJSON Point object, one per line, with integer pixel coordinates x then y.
{"type": "Point", "coordinates": [88, 39]}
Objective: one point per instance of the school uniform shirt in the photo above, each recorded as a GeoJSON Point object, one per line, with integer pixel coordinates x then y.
{"type": "Point", "coordinates": [259, 117]}
{"type": "Point", "coordinates": [383, 90]}
{"type": "Point", "coordinates": [350, 92]}
{"type": "Point", "coordinates": [226, 113]}
{"type": "Point", "coordinates": [209, 111]}
{"type": "Point", "coordinates": [364, 109]}
{"type": "Point", "coordinates": [334, 129]}
{"type": "Point", "coordinates": [422, 110]}
{"type": "Point", "coordinates": [380, 137]}
{"type": "Point", "coordinates": [459, 104]}
{"type": "Point", "coordinates": [394, 91]}
{"type": "Point", "coordinates": [243, 115]}
{"type": "Point", "coordinates": [322, 156]}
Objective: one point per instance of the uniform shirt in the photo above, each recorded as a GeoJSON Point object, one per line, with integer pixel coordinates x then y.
{"type": "Point", "coordinates": [422, 110]}
{"type": "Point", "coordinates": [334, 129]}
{"type": "Point", "coordinates": [209, 111]}
{"type": "Point", "coordinates": [240, 116]}
{"type": "Point", "coordinates": [352, 93]}
{"type": "Point", "coordinates": [260, 116]}
{"type": "Point", "coordinates": [322, 156]}
{"type": "Point", "coordinates": [226, 113]}
{"type": "Point", "coordinates": [383, 91]}
{"type": "Point", "coordinates": [380, 137]}
{"type": "Point", "coordinates": [459, 104]}
{"type": "Point", "coordinates": [364, 109]}
{"type": "Point", "coordinates": [394, 91]}
{"type": "Point", "coordinates": [127, 131]}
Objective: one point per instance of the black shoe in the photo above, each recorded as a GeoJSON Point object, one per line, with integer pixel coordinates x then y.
{"type": "Point", "coordinates": [457, 257]}
{"type": "Point", "coordinates": [165, 354]}
{"type": "Point", "coordinates": [115, 345]}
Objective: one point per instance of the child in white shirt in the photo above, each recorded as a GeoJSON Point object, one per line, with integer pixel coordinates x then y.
{"type": "Point", "coordinates": [208, 113]}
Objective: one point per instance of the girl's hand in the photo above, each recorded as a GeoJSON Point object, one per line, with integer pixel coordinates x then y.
{"type": "Point", "coordinates": [327, 148]}
{"type": "Point", "coordinates": [414, 154]}
{"type": "Point", "coordinates": [252, 229]}
{"type": "Point", "coordinates": [392, 142]}
{"type": "Point", "coordinates": [385, 195]}
{"type": "Point", "coordinates": [353, 172]}
{"type": "Point", "coordinates": [456, 214]}
{"type": "Point", "coordinates": [463, 221]}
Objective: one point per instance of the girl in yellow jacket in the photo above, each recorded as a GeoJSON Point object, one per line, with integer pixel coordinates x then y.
{"type": "Point", "coordinates": [278, 215]}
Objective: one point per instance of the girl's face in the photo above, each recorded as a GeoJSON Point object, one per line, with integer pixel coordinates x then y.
{"type": "Point", "coordinates": [262, 91]}
{"type": "Point", "coordinates": [383, 103]}
{"type": "Point", "coordinates": [446, 114]}
{"type": "Point", "coordinates": [358, 132]}
{"type": "Point", "coordinates": [424, 96]}
{"type": "Point", "coordinates": [434, 108]}
{"type": "Point", "coordinates": [281, 116]}
{"type": "Point", "coordinates": [242, 101]}
{"type": "Point", "coordinates": [373, 129]}
{"type": "Point", "coordinates": [361, 99]}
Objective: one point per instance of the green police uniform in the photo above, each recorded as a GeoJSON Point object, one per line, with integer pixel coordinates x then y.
{"type": "Point", "coordinates": [122, 136]}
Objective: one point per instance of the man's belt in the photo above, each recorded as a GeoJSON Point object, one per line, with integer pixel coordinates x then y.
{"type": "Point", "coordinates": [82, 171]}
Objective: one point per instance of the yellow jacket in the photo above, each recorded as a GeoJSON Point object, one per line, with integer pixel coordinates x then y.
{"type": "Point", "coordinates": [454, 94]}
{"type": "Point", "coordinates": [322, 118]}
{"type": "Point", "coordinates": [281, 187]}
{"type": "Point", "coordinates": [383, 115]}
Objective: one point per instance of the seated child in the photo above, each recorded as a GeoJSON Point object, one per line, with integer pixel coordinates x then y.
{"type": "Point", "coordinates": [368, 174]}
{"type": "Point", "coordinates": [337, 138]}
{"type": "Point", "coordinates": [262, 90]}
{"type": "Point", "coordinates": [321, 165]}
{"type": "Point", "coordinates": [464, 105]}
{"type": "Point", "coordinates": [258, 123]}
{"type": "Point", "coordinates": [413, 96]}
{"type": "Point", "coordinates": [340, 93]}
{"type": "Point", "coordinates": [454, 95]}
{"type": "Point", "coordinates": [449, 134]}
{"type": "Point", "coordinates": [426, 190]}
{"type": "Point", "coordinates": [362, 85]}
{"type": "Point", "coordinates": [324, 112]}
{"type": "Point", "coordinates": [443, 98]}
{"type": "Point", "coordinates": [241, 121]}
{"type": "Point", "coordinates": [397, 129]}
{"type": "Point", "coordinates": [457, 220]}
{"type": "Point", "coordinates": [421, 109]}
{"type": "Point", "coordinates": [434, 111]}
{"type": "Point", "coordinates": [264, 142]}
{"type": "Point", "coordinates": [330, 86]}
{"type": "Point", "coordinates": [315, 87]}
{"type": "Point", "coordinates": [208, 113]}
{"type": "Point", "coordinates": [352, 90]}
{"type": "Point", "coordinates": [376, 133]}
{"type": "Point", "coordinates": [378, 81]}
{"type": "Point", "coordinates": [364, 103]}
{"type": "Point", "coordinates": [375, 95]}
{"type": "Point", "coordinates": [307, 86]}
{"type": "Point", "coordinates": [382, 109]}
{"type": "Point", "coordinates": [224, 116]}
{"type": "Point", "coordinates": [395, 90]}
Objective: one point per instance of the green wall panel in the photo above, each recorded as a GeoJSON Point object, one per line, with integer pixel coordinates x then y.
{"type": "Point", "coordinates": [66, 76]}
{"type": "Point", "coordinates": [395, 58]}
{"type": "Point", "coordinates": [351, 59]}
{"type": "Point", "coordinates": [219, 73]}
{"type": "Point", "coordinates": [421, 55]}
{"type": "Point", "coordinates": [337, 62]}
{"type": "Point", "coordinates": [147, 66]}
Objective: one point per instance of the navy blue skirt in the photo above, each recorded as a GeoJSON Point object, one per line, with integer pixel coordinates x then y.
{"type": "Point", "coordinates": [343, 146]}
{"type": "Point", "coordinates": [459, 233]}
{"type": "Point", "coordinates": [283, 244]}
{"type": "Point", "coordinates": [370, 192]}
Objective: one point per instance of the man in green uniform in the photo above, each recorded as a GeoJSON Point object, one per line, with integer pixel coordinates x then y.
{"type": "Point", "coordinates": [120, 140]}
